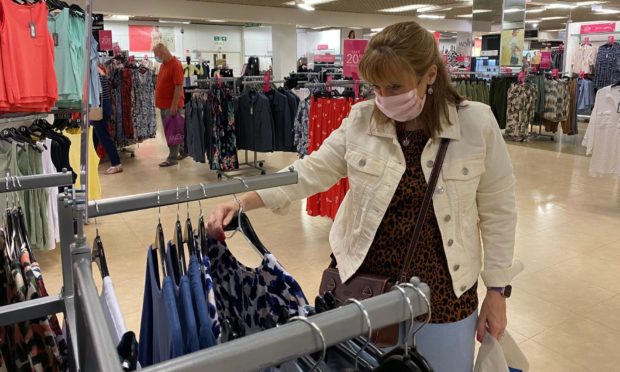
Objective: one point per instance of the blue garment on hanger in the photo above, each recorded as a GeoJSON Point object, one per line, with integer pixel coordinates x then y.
{"type": "Point", "coordinates": [199, 300]}
{"type": "Point", "coordinates": [183, 293]}
{"type": "Point", "coordinates": [161, 338]}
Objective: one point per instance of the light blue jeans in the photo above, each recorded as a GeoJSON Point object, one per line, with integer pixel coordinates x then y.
{"type": "Point", "coordinates": [449, 347]}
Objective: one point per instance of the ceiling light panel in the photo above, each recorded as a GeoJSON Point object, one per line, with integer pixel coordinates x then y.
{"type": "Point", "coordinates": [404, 8]}
{"type": "Point", "coordinates": [551, 18]}
{"type": "Point", "coordinates": [536, 10]}
{"type": "Point", "coordinates": [432, 16]}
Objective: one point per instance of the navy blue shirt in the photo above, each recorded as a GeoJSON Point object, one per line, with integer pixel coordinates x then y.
{"type": "Point", "coordinates": [183, 294]}
{"type": "Point", "coordinates": [160, 328]}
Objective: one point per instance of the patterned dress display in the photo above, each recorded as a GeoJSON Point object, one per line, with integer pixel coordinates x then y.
{"type": "Point", "coordinates": [253, 297]}
{"type": "Point", "coordinates": [387, 252]}
{"type": "Point", "coordinates": [224, 149]}
{"type": "Point", "coordinates": [143, 110]}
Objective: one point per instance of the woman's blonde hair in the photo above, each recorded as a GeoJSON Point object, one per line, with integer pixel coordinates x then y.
{"type": "Point", "coordinates": [408, 46]}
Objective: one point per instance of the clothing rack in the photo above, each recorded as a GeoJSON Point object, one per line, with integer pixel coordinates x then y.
{"type": "Point", "coordinates": [261, 82]}
{"type": "Point", "coordinates": [19, 183]}
{"type": "Point", "coordinates": [64, 302]}
{"type": "Point", "coordinates": [295, 339]}
{"type": "Point", "coordinates": [334, 83]}
{"type": "Point", "coordinates": [187, 194]}
{"type": "Point", "coordinates": [19, 118]}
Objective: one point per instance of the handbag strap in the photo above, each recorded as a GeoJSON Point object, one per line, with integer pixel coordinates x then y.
{"type": "Point", "coordinates": [426, 203]}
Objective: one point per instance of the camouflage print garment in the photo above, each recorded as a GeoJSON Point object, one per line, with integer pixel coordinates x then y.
{"type": "Point", "coordinates": [30, 345]}
{"type": "Point", "coordinates": [40, 339]}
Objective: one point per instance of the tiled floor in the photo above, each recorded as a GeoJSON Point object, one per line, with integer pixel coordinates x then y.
{"type": "Point", "coordinates": [565, 311]}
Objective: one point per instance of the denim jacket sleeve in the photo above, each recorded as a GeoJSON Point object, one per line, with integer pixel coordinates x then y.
{"type": "Point", "coordinates": [497, 210]}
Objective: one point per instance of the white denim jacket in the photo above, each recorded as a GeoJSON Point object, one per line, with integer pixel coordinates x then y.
{"type": "Point", "coordinates": [474, 200]}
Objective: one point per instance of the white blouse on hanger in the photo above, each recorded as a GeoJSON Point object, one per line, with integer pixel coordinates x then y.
{"type": "Point", "coordinates": [602, 138]}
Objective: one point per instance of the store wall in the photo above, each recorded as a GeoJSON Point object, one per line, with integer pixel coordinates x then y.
{"type": "Point", "coordinates": [257, 41]}
{"type": "Point", "coordinates": [308, 41]}
{"type": "Point", "coordinates": [194, 39]}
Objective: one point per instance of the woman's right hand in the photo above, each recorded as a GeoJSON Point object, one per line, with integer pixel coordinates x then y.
{"type": "Point", "coordinates": [220, 216]}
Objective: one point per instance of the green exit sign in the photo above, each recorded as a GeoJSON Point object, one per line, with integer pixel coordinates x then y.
{"type": "Point", "coordinates": [248, 25]}
{"type": "Point", "coordinates": [220, 38]}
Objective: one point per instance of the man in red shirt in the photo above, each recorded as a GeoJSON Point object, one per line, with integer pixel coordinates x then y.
{"type": "Point", "coordinates": [169, 96]}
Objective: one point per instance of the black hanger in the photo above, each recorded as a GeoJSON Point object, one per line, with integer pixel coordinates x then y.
{"type": "Point", "coordinates": [178, 242]}
{"type": "Point", "coordinates": [190, 238]}
{"type": "Point", "coordinates": [617, 83]}
{"type": "Point", "coordinates": [241, 223]}
{"type": "Point", "coordinates": [160, 246]}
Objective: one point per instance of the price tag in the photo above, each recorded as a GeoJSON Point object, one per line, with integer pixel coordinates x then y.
{"type": "Point", "coordinates": [33, 30]}
{"type": "Point", "coordinates": [55, 37]}
{"type": "Point", "coordinates": [555, 72]}
{"type": "Point", "coordinates": [611, 39]}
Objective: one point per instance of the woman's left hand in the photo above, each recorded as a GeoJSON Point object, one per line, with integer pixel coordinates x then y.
{"type": "Point", "coordinates": [492, 316]}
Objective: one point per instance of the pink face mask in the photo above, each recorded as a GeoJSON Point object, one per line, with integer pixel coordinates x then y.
{"type": "Point", "coordinates": [402, 107]}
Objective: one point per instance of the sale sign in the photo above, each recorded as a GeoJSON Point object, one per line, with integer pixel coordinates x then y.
{"type": "Point", "coordinates": [353, 52]}
{"type": "Point", "coordinates": [105, 40]}
{"type": "Point", "coordinates": [598, 27]}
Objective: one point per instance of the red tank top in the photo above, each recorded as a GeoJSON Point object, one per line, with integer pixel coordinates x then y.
{"type": "Point", "coordinates": [27, 58]}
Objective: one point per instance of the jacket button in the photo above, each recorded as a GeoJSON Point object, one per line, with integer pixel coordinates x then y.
{"type": "Point", "coordinates": [440, 190]}
{"type": "Point", "coordinates": [463, 288]}
{"type": "Point", "coordinates": [465, 171]}
{"type": "Point", "coordinates": [450, 243]}
{"type": "Point", "coordinates": [456, 267]}
{"type": "Point", "coordinates": [447, 218]}
{"type": "Point", "coordinates": [430, 163]}
{"type": "Point", "coordinates": [362, 162]}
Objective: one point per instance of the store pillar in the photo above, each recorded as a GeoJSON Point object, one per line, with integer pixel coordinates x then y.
{"type": "Point", "coordinates": [284, 43]}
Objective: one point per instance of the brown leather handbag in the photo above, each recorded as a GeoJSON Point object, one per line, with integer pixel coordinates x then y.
{"type": "Point", "coordinates": [362, 286]}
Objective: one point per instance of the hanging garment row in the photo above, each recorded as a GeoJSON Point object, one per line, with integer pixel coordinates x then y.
{"type": "Point", "coordinates": [133, 117]}
{"type": "Point", "coordinates": [38, 344]}
{"type": "Point", "coordinates": [602, 138]}
{"type": "Point", "coordinates": [265, 120]}
{"type": "Point", "coordinates": [219, 124]}
{"type": "Point", "coordinates": [326, 115]}
{"type": "Point", "coordinates": [473, 89]}
{"type": "Point", "coordinates": [27, 77]}
{"type": "Point", "coordinates": [211, 128]}
{"type": "Point", "coordinates": [32, 149]}
{"type": "Point", "coordinates": [197, 294]}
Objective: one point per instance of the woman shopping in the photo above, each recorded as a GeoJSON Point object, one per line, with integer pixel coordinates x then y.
{"type": "Point", "coordinates": [388, 148]}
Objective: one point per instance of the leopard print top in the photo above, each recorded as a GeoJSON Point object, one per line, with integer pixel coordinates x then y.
{"type": "Point", "coordinates": [388, 251]}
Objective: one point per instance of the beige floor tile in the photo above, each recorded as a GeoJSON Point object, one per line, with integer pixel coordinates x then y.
{"type": "Point", "coordinates": [546, 360]}
{"type": "Point", "coordinates": [584, 342]}
{"type": "Point", "coordinates": [606, 313]}
{"type": "Point", "coordinates": [563, 289]}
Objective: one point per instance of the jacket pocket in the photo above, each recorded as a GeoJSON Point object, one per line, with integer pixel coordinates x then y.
{"type": "Point", "coordinates": [362, 169]}
{"type": "Point", "coordinates": [462, 178]}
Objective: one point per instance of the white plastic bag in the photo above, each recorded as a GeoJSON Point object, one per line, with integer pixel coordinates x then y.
{"type": "Point", "coordinates": [500, 356]}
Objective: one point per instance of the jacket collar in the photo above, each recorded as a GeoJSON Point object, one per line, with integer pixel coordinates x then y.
{"type": "Point", "coordinates": [451, 131]}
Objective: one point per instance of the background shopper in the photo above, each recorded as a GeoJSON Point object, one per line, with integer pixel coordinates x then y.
{"type": "Point", "coordinates": [169, 96]}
